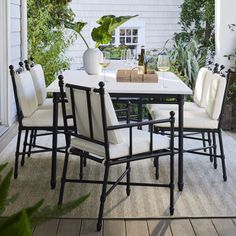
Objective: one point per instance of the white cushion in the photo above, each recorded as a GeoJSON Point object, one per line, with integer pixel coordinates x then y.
{"type": "Point", "coordinates": [192, 119]}
{"type": "Point", "coordinates": [141, 144]}
{"type": "Point", "coordinates": [26, 93]}
{"type": "Point", "coordinates": [188, 106]}
{"type": "Point", "coordinates": [202, 87]}
{"type": "Point", "coordinates": [47, 104]}
{"type": "Point", "coordinates": [44, 118]}
{"type": "Point", "coordinates": [82, 118]}
{"type": "Point", "coordinates": [39, 82]}
{"type": "Point", "coordinates": [216, 95]}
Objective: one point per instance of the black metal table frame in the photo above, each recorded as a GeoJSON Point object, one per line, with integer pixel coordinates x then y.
{"type": "Point", "coordinates": [158, 98]}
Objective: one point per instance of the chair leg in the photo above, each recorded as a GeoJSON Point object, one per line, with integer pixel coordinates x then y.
{"type": "Point", "coordinates": [63, 179]}
{"type": "Point", "coordinates": [81, 169]}
{"type": "Point", "coordinates": [210, 149]}
{"type": "Point", "coordinates": [103, 197]}
{"type": "Point", "coordinates": [214, 150]}
{"type": "Point", "coordinates": [24, 148]}
{"type": "Point", "coordinates": [31, 142]}
{"type": "Point", "coordinates": [17, 154]}
{"type": "Point", "coordinates": [156, 164]}
{"type": "Point", "coordinates": [222, 155]}
{"type": "Point", "coordinates": [203, 141]}
{"type": "Point", "coordinates": [85, 161]}
{"type": "Point", "coordinates": [35, 136]}
{"type": "Point", "coordinates": [172, 185]}
{"type": "Point", "coordinates": [128, 178]}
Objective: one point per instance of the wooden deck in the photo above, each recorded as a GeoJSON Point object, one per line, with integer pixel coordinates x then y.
{"type": "Point", "coordinates": [161, 227]}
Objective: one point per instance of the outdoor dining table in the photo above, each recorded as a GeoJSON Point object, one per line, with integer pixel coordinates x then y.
{"type": "Point", "coordinates": [174, 91]}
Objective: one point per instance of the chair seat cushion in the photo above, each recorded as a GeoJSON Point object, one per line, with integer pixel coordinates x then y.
{"type": "Point", "coordinates": [141, 144]}
{"type": "Point", "coordinates": [192, 119]}
{"type": "Point", "coordinates": [44, 118]}
{"type": "Point", "coordinates": [47, 104]}
{"type": "Point", "coordinates": [188, 106]}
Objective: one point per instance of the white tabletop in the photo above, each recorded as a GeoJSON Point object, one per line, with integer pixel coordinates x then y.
{"type": "Point", "coordinates": [172, 84]}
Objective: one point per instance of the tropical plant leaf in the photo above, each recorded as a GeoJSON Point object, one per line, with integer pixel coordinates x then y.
{"type": "Point", "coordinates": [77, 26]}
{"type": "Point", "coordinates": [4, 189]}
{"type": "Point", "coordinates": [103, 33]}
{"type": "Point", "coordinates": [18, 228]}
{"type": "Point", "coordinates": [43, 214]}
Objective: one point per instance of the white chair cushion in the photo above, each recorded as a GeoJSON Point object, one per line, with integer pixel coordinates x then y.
{"type": "Point", "coordinates": [26, 93]}
{"type": "Point", "coordinates": [82, 118]}
{"type": "Point", "coordinates": [192, 119]}
{"type": "Point", "coordinates": [216, 96]}
{"type": "Point", "coordinates": [39, 83]}
{"type": "Point", "coordinates": [141, 144]}
{"type": "Point", "coordinates": [202, 87]}
{"type": "Point", "coordinates": [44, 118]}
{"type": "Point", "coordinates": [188, 106]}
{"type": "Point", "coordinates": [47, 104]}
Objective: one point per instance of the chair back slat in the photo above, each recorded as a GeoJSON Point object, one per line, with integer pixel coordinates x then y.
{"type": "Point", "coordinates": [89, 114]}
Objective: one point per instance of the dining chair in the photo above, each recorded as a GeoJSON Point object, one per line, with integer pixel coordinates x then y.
{"type": "Point", "coordinates": [30, 117]}
{"type": "Point", "coordinates": [99, 137]}
{"type": "Point", "coordinates": [207, 120]}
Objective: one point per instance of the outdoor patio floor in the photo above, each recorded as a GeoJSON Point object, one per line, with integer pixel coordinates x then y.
{"type": "Point", "coordinates": [175, 227]}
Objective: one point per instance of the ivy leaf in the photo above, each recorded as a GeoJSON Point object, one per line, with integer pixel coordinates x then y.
{"type": "Point", "coordinates": [103, 33]}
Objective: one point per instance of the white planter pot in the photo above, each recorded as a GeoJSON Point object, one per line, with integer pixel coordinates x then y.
{"type": "Point", "coordinates": [91, 59]}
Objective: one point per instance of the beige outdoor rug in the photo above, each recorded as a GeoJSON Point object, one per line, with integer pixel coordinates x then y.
{"type": "Point", "coordinates": [205, 193]}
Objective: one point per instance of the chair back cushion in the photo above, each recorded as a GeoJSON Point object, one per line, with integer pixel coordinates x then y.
{"type": "Point", "coordinates": [26, 93]}
{"type": "Point", "coordinates": [216, 96]}
{"type": "Point", "coordinates": [202, 87]}
{"type": "Point", "coordinates": [82, 115]}
{"type": "Point", "coordinates": [39, 83]}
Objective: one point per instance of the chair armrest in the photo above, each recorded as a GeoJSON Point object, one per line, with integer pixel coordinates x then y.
{"type": "Point", "coordinates": [151, 122]}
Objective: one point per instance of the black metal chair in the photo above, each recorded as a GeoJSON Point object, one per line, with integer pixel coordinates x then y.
{"type": "Point", "coordinates": [31, 119]}
{"type": "Point", "coordinates": [207, 121]}
{"type": "Point", "coordinates": [99, 137]}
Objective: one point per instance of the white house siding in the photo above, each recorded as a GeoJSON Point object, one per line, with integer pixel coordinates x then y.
{"type": "Point", "coordinates": [160, 19]}
{"type": "Point", "coordinates": [15, 46]}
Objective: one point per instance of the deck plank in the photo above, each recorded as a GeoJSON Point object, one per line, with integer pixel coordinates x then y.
{"type": "Point", "coordinates": [225, 227]}
{"type": "Point", "coordinates": [203, 227]}
{"type": "Point", "coordinates": [181, 228]}
{"type": "Point", "coordinates": [89, 228]}
{"type": "Point", "coordinates": [159, 227]}
{"type": "Point", "coordinates": [48, 228]}
{"type": "Point", "coordinates": [136, 228]}
{"type": "Point", "coordinates": [69, 227]}
{"type": "Point", "coordinates": [114, 228]}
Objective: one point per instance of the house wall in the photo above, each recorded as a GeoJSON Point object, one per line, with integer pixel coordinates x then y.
{"type": "Point", "coordinates": [225, 38]}
{"type": "Point", "coordinates": [160, 19]}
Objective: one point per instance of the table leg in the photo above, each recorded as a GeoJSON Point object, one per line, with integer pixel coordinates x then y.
{"type": "Point", "coordinates": [54, 141]}
{"type": "Point", "coordinates": [181, 142]}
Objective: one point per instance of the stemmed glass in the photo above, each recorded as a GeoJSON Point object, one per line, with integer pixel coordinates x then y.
{"type": "Point", "coordinates": [130, 56]}
{"type": "Point", "coordinates": [123, 55]}
{"type": "Point", "coordinates": [163, 65]}
{"type": "Point", "coordinates": [105, 62]}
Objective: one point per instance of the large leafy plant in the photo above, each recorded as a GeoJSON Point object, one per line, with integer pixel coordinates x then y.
{"type": "Point", "coordinates": [48, 37]}
{"type": "Point", "coordinates": [23, 221]}
{"type": "Point", "coordinates": [103, 33]}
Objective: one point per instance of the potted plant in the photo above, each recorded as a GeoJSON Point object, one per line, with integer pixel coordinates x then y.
{"type": "Point", "coordinates": [101, 34]}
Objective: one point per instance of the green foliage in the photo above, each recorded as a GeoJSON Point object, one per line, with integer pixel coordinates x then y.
{"type": "Point", "coordinates": [22, 222]}
{"type": "Point", "coordinates": [197, 18]}
{"type": "Point", "coordinates": [187, 58]}
{"type": "Point", "coordinates": [103, 33]}
{"type": "Point", "coordinates": [115, 52]}
{"type": "Point", "coordinates": [48, 37]}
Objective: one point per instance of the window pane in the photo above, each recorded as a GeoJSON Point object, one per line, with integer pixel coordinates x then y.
{"type": "Point", "coordinates": [122, 40]}
{"type": "Point", "coordinates": [128, 31]}
{"type": "Point", "coordinates": [113, 40]}
{"type": "Point", "coordinates": [122, 31]}
{"type": "Point", "coordinates": [128, 40]}
{"type": "Point", "coordinates": [135, 31]}
{"type": "Point", "coordinates": [113, 33]}
{"type": "Point", "coordinates": [135, 39]}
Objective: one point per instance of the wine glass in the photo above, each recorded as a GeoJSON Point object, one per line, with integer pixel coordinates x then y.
{"type": "Point", "coordinates": [163, 65]}
{"type": "Point", "coordinates": [123, 55]}
{"type": "Point", "coordinates": [105, 61]}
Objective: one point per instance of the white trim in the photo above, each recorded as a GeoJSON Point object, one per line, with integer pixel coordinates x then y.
{"type": "Point", "coordinates": [4, 61]}
{"type": "Point", "coordinates": [24, 46]}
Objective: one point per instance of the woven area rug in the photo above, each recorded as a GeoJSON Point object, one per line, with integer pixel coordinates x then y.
{"type": "Point", "coordinates": [205, 193]}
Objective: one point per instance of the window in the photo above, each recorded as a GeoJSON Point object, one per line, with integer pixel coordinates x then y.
{"type": "Point", "coordinates": [128, 36]}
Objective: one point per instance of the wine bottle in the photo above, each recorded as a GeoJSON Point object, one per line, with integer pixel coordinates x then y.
{"type": "Point", "coordinates": [142, 55]}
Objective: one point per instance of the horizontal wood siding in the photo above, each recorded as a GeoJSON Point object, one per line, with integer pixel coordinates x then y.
{"type": "Point", "coordinates": [159, 16]}
{"type": "Point", "coordinates": [15, 43]}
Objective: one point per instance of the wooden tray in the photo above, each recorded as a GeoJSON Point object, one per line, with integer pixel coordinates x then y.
{"type": "Point", "coordinates": [136, 77]}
